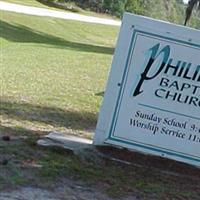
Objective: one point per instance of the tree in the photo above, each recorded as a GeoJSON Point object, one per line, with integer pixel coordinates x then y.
{"type": "Point", "coordinates": [191, 5]}
{"type": "Point", "coordinates": [136, 6]}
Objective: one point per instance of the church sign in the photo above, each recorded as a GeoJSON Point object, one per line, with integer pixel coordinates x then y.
{"type": "Point", "coordinates": [152, 100]}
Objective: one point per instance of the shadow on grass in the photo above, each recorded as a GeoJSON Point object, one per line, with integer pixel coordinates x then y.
{"type": "Point", "coordinates": [57, 117]}
{"type": "Point", "coordinates": [5, 130]}
{"type": "Point", "coordinates": [100, 94]}
{"type": "Point", "coordinates": [23, 34]}
{"type": "Point", "coordinates": [60, 5]}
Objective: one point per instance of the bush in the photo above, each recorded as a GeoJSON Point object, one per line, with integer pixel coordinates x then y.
{"type": "Point", "coordinates": [136, 6]}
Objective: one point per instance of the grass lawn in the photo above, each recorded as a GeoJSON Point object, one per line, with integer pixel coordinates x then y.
{"type": "Point", "coordinates": [52, 75]}
{"type": "Point", "coordinates": [27, 3]}
{"type": "Point", "coordinates": [52, 71]}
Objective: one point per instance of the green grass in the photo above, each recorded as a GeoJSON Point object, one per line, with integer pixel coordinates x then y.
{"type": "Point", "coordinates": [52, 71]}
{"type": "Point", "coordinates": [27, 3]}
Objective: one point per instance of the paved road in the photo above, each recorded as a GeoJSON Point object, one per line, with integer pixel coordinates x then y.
{"type": "Point", "coordinates": [29, 10]}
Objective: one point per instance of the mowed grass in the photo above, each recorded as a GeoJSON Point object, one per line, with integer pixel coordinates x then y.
{"type": "Point", "coordinates": [52, 72]}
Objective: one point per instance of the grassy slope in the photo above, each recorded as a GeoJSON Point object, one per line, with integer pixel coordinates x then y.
{"type": "Point", "coordinates": [52, 69]}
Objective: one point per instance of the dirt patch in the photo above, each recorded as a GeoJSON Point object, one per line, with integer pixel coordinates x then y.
{"type": "Point", "coordinates": [161, 164]}
{"type": "Point", "coordinates": [103, 173]}
{"type": "Point", "coordinates": [28, 194]}
{"type": "Point", "coordinates": [69, 191]}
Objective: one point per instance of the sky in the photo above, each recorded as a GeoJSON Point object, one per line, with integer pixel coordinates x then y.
{"type": "Point", "coordinates": [185, 1]}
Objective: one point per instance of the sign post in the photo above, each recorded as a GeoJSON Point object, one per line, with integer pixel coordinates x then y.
{"type": "Point", "coordinates": [152, 100]}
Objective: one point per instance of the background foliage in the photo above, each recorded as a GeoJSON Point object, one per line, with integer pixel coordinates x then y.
{"type": "Point", "coordinates": [168, 10]}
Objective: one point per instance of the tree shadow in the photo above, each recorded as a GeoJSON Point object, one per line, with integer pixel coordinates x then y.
{"type": "Point", "coordinates": [101, 94]}
{"type": "Point", "coordinates": [19, 131]}
{"type": "Point", "coordinates": [23, 34]}
{"type": "Point", "coordinates": [57, 117]}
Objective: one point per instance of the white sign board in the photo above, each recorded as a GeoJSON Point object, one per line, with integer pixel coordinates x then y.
{"type": "Point", "coordinates": [152, 100]}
